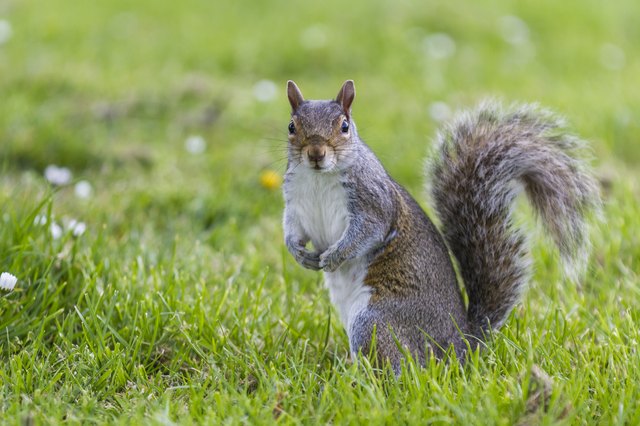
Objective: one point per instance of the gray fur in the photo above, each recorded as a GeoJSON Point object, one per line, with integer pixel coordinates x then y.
{"type": "Point", "coordinates": [484, 159]}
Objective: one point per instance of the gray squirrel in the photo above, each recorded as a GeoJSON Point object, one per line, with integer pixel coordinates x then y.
{"type": "Point", "coordinates": [386, 265]}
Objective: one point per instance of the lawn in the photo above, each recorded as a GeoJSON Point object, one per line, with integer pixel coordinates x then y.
{"type": "Point", "coordinates": [140, 149]}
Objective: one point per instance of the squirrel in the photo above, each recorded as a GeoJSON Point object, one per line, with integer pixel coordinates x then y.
{"type": "Point", "coordinates": [386, 265]}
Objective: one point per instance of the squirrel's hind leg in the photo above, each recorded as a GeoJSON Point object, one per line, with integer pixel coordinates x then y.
{"type": "Point", "coordinates": [372, 335]}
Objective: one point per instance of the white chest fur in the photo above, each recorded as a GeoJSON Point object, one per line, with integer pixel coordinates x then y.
{"type": "Point", "coordinates": [319, 203]}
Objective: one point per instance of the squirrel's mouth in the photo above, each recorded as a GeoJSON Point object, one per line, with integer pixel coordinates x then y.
{"type": "Point", "coordinates": [319, 165]}
{"type": "Point", "coordinates": [317, 168]}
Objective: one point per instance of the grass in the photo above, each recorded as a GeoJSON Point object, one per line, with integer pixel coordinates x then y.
{"type": "Point", "coordinates": [179, 304]}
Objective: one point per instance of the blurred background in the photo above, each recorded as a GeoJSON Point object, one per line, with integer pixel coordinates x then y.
{"type": "Point", "coordinates": [172, 115]}
{"type": "Point", "coordinates": [142, 145]}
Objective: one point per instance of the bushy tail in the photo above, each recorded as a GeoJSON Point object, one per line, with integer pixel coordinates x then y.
{"type": "Point", "coordinates": [484, 160]}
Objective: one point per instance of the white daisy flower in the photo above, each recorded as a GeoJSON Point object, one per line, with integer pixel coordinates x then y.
{"type": "Point", "coordinates": [77, 227]}
{"type": "Point", "coordinates": [265, 90]}
{"type": "Point", "coordinates": [5, 31]}
{"type": "Point", "coordinates": [439, 46]}
{"type": "Point", "coordinates": [195, 144]}
{"type": "Point", "coordinates": [57, 175]}
{"type": "Point", "coordinates": [439, 111]}
{"type": "Point", "coordinates": [314, 37]}
{"type": "Point", "coordinates": [40, 220]}
{"type": "Point", "coordinates": [7, 281]}
{"type": "Point", "coordinates": [83, 189]}
{"type": "Point", "coordinates": [514, 30]}
{"type": "Point", "coordinates": [56, 230]}
{"type": "Point", "coordinates": [612, 57]}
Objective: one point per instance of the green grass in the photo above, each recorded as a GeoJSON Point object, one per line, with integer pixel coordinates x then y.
{"type": "Point", "coordinates": [180, 304]}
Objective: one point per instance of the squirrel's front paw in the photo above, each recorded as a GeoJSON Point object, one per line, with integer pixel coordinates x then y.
{"type": "Point", "coordinates": [308, 259]}
{"type": "Point", "coordinates": [330, 261]}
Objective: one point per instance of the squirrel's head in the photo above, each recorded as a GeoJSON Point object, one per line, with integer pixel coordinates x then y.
{"type": "Point", "coordinates": [321, 132]}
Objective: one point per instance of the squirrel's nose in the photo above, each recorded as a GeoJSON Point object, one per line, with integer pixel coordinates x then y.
{"type": "Point", "coordinates": [316, 155]}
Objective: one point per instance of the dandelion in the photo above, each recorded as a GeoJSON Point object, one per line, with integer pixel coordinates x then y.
{"type": "Point", "coordinates": [7, 281]}
{"type": "Point", "coordinates": [195, 144]}
{"type": "Point", "coordinates": [270, 179]}
{"type": "Point", "coordinates": [57, 175]}
{"type": "Point", "coordinates": [83, 189]}
{"type": "Point", "coordinates": [265, 90]}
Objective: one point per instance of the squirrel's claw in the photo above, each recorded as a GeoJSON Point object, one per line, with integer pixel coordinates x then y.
{"type": "Point", "coordinates": [309, 260]}
{"type": "Point", "coordinates": [311, 263]}
{"type": "Point", "coordinates": [329, 261]}
{"type": "Point", "coordinates": [306, 258]}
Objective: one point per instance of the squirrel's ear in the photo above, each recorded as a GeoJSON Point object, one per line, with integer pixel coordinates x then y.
{"type": "Point", "coordinates": [294, 94]}
{"type": "Point", "coordinates": [346, 95]}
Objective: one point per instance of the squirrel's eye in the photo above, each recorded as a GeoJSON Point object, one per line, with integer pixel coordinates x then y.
{"type": "Point", "coordinates": [345, 126]}
{"type": "Point", "coordinates": [292, 128]}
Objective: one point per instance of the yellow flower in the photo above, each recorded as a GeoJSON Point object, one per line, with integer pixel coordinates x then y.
{"type": "Point", "coordinates": [270, 179]}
